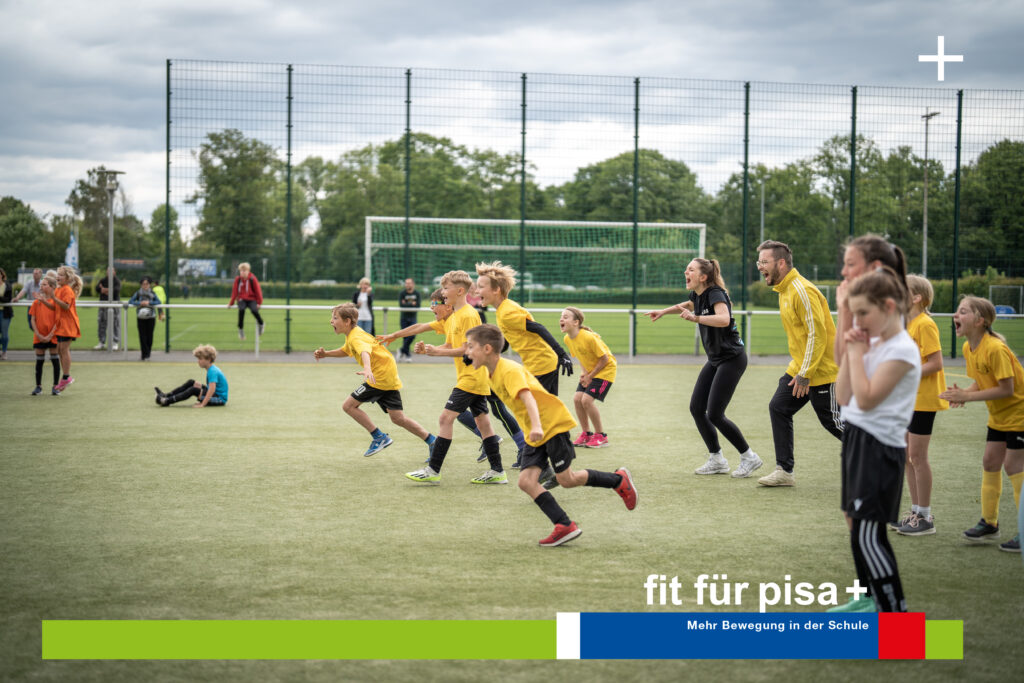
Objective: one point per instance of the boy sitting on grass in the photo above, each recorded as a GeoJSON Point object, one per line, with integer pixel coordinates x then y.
{"type": "Point", "coordinates": [548, 440]}
{"type": "Point", "coordinates": [381, 374]}
{"type": "Point", "coordinates": [213, 393]}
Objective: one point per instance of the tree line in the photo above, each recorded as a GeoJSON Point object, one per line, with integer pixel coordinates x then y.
{"type": "Point", "coordinates": [241, 204]}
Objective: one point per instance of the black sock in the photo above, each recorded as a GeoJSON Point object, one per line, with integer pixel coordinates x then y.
{"type": "Point", "coordinates": [56, 370]}
{"type": "Point", "coordinates": [438, 453]}
{"type": "Point", "coordinates": [550, 507]}
{"type": "Point", "coordinates": [39, 371]}
{"type": "Point", "coordinates": [604, 480]}
{"type": "Point", "coordinates": [66, 376]}
{"type": "Point", "coordinates": [493, 453]}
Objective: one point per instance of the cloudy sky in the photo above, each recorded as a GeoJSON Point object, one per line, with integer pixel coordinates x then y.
{"type": "Point", "coordinates": [83, 83]}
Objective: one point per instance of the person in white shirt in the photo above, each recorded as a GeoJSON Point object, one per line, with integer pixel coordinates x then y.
{"type": "Point", "coordinates": [877, 387]}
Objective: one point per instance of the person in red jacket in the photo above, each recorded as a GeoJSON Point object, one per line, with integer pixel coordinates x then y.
{"type": "Point", "coordinates": [246, 290]}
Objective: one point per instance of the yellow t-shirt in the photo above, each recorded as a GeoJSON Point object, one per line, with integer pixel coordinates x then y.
{"type": "Point", "coordinates": [538, 357]}
{"type": "Point", "coordinates": [990, 362]}
{"type": "Point", "coordinates": [509, 380]}
{"type": "Point", "coordinates": [588, 347]}
{"type": "Point", "coordinates": [455, 328]}
{"type": "Point", "coordinates": [382, 363]}
{"type": "Point", "coordinates": [437, 326]}
{"type": "Point", "coordinates": [925, 334]}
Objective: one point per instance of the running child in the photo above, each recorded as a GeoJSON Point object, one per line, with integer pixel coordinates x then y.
{"type": "Point", "coordinates": [548, 441]}
{"type": "Point", "coordinates": [709, 306]}
{"type": "Point", "coordinates": [925, 333]}
{"type": "Point", "coordinates": [381, 385]}
{"type": "Point", "coordinates": [599, 368]}
{"type": "Point", "coordinates": [540, 353]}
{"type": "Point", "coordinates": [877, 385]}
{"type": "Point", "coordinates": [442, 310]}
{"type": "Point", "coordinates": [213, 393]}
{"type": "Point", "coordinates": [43, 322]}
{"type": "Point", "coordinates": [999, 382]}
{"type": "Point", "coordinates": [69, 288]}
{"type": "Point", "coordinates": [471, 386]}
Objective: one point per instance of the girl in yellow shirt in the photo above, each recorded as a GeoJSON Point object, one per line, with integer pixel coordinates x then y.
{"type": "Point", "coordinates": [925, 333]}
{"type": "Point", "coordinates": [596, 380]}
{"type": "Point", "coordinates": [999, 382]}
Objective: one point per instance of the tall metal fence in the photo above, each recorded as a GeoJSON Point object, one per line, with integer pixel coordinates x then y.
{"type": "Point", "coordinates": [279, 164]}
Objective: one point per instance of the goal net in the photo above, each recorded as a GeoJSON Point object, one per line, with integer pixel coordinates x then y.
{"type": "Point", "coordinates": [557, 260]}
{"type": "Point", "coordinates": [1007, 295]}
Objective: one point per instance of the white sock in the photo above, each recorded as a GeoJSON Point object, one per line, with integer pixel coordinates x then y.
{"type": "Point", "coordinates": [747, 455]}
{"type": "Point", "coordinates": [915, 508]}
{"type": "Point", "coordinates": [925, 511]}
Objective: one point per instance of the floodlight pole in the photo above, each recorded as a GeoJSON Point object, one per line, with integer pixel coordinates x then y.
{"type": "Point", "coordinates": [924, 228]}
{"type": "Point", "coordinates": [110, 183]}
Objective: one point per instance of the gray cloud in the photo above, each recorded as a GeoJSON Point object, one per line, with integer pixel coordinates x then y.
{"type": "Point", "coordinates": [84, 83]}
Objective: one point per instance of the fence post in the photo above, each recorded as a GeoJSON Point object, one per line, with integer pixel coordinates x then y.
{"type": "Point", "coordinates": [853, 157]}
{"type": "Point", "coordinates": [522, 192]}
{"type": "Point", "coordinates": [408, 158]}
{"type": "Point", "coordinates": [636, 211]}
{"type": "Point", "coordinates": [956, 217]}
{"type": "Point", "coordinates": [746, 190]}
{"type": "Point", "coordinates": [167, 214]}
{"type": "Point", "coordinates": [288, 232]}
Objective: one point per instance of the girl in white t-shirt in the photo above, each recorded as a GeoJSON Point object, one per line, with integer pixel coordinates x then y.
{"type": "Point", "coordinates": [877, 387]}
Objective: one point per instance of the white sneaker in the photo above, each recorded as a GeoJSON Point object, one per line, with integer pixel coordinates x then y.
{"type": "Point", "coordinates": [716, 464]}
{"type": "Point", "coordinates": [779, 477]}
{"type": "Point", "coordinates": [747, 465]}
{"type": "Point", "coordinates": [116, 347]}
{"type": "Point", "coordinates": [99, 347]}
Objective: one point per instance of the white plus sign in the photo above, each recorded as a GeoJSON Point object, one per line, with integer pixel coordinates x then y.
{"type": "Point", "coordinates": [941, 58]}
{"type": "Point", "coordinates": [856, 589]}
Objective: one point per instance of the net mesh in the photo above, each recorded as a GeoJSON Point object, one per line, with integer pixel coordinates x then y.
{"type": "Point", "coordinates": [592, 261]}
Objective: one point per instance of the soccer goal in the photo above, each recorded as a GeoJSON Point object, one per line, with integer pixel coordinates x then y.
{"type": "Point", "coordinates": [1007, 295]}
{"type": "Point", "coordinates": [558, 260]}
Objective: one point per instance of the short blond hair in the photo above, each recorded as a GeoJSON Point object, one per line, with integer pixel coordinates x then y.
{"type": "Point", "coordinates": [205, 352]}
{"type": "Point", "coordinates": [364, 281]}
{"type": "Point", "coordinates": [244, 265]}
{"type": "Point", "coordinates": [346, 311]}
{"type": "Point", "coordinates": [920, 286]}
{"type": "Point", "coordinates": [501, 276]}
{"type": "Point", "coordinates": [459, 278]}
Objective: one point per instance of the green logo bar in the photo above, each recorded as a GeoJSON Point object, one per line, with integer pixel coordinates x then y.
{"type": "Point", "coordinates": [103, 639]}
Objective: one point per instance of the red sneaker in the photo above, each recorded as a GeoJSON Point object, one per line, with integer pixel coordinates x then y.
{"type": "Point", "coordinates": [625, 489]}
{"type": "Point", "coordinates": [582, 439]}
{"type": "Point", "coordinates": [597, 441]}
{"type": "Point", "coordinates": [563, 533]}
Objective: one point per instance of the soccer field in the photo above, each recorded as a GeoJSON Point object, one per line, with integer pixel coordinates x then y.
{"type": "Point", "coordinates": [115, 508]}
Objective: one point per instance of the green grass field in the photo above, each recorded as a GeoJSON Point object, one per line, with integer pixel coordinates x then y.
{"type": "Point", "coordinates": [309, 329]}
{"type": "Point", "coordinates": [115, 508]}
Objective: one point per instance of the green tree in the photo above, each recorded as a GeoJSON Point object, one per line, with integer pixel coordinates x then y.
{"type": "Point", "coordinates": [992, 206]}
{"type": "Point", "coordinates": [238, 179]}
{"type": "Point", "coordinates": [24, 236]}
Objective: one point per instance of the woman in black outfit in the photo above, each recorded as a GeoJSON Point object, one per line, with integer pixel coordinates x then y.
{"type": "Point", "coordinates": [709, 306]}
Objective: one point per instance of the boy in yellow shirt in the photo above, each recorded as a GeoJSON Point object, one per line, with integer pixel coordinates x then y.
{"type": "Point", "coordinates": [381, 374]}
{"type": "Point", "coordinates": [548, 440]}
{"type": "Point", "coordinates": [471, 386]}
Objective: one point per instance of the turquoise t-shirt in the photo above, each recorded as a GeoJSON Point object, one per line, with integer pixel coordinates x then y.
{"type": "Point", "coordinates": [213, 374]}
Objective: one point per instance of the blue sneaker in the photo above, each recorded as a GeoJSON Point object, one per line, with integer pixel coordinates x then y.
{"type": "Point", "coordinates": [378, 444]}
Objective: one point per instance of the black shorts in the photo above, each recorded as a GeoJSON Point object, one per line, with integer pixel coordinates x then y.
{"type": "Point", "coordinates": [460, 400]}
{"type": "Point", "coordinates": [598, 389]}
{"type": "Point", "coordinates": [557, 450]}
{"type": "Point", "coordinates": [66, 339]}
{"type": "Point", "coordinates": [922, 422]}
{"type": "Point", "coordinates": [549, 381]}
{"type": "Point", "coordinates": [872, 476]}
{"type": "Point", "coordinates": [1013, 440]}
{"type": "Point", "coordinates": [387, 399]}
{"type": "Point", "coordinates": [44, 345]}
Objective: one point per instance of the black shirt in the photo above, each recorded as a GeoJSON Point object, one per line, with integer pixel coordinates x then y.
{"type": "Point", "coordinates": [117, 288]}
{"type": "Point", "coordinates": [409, 300]}
{"type": "Point", "coordinates": [720, 343]}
